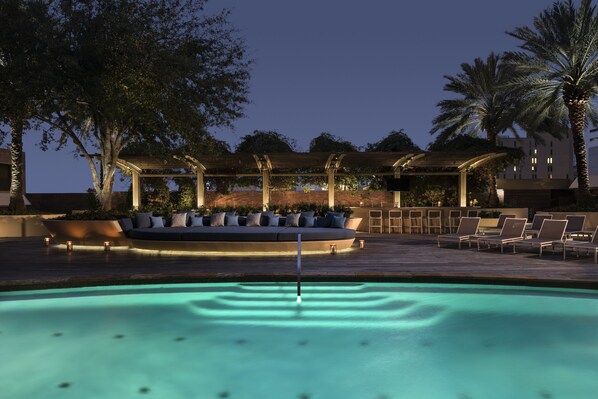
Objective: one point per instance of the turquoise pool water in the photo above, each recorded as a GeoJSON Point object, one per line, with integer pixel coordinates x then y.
{"type": "Point", "coordinates": [367, 341]}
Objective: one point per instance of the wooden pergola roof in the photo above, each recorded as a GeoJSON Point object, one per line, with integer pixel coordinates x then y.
{"type": "Point", "coordinates": [416, 162]}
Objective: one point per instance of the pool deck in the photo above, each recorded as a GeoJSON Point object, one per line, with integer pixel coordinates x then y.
{"type": "Point", "coordinates": [28, 264]}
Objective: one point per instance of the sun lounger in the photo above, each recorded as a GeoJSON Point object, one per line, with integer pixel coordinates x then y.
{"type": "Point", "coordinates": [591, 246]}
{"type": "Point", "coordinates": [501, 222]}
{"type": "Point", "coordinates": [575, 226]}
{"type": "Point", "coordinates": [468, 227]}
{"type": "Point", "coordinates": [533, 228]}
{"type": "Point", "coordinates": [551, 232]}
{"type": "Point", "coordinates": [511, 231]}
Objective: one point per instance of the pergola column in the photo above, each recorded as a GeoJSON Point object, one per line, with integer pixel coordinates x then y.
{"type": "Point", "coordinates": [463, 188]}
{"type": "Point", "coordinates": [330, 172]}
{"type": "Point", "coordinates": [136, 188]}
{"type": "Point", "coordinates": [265, 189]}
{"type": "Point", "coordinates": [397, 194]}
{"type": "Point", "coordinates": [201, 189]}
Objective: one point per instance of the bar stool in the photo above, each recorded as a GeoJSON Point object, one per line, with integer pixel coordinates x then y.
{"type": "Point", "coordinates": [416, 221]}
{"type": "Point", "coordinates": [435, 220]}
{"type": "Point", "coordinates": [395, 220]}
{"type": "Point", "coordinates": [375, 221]}
{"type": "Point", "coordinates": [453, 220]}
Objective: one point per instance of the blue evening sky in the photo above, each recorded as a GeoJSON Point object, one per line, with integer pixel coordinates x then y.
{"type": "Point", "coordinates": [356, 69]}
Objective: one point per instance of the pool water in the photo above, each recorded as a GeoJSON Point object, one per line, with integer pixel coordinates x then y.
{"type": "Point", "coordinates": [367, 341]}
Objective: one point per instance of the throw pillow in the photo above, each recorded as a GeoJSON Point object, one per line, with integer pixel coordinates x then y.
{"type": "Point", "coordinates": [273, 220]}
{"type": "Point", "coordinates": [306, 221]}
{"type": "Point", "coordinates": [292, 220]}
{"type": "Point", "coordinates": [265, 217]}
{"type": "Point", "coordinates": [197, 221]}
{"type": "Point", "coordinates": [231, 220]}
{"type": "Point", "coordinates": [338, 222]}
{"type": "Point", "coordinates": [306, 214]}
{"type": "Point", "coordinates": [142, 220]}
{"type": "Point", "coordinates": [217, 219]}
{"type": "Point", "coordinates": [253, 219]}
{"type": "Point", "coordinates": [157, 222]}
{"type": "Point", "coordinates": [190, 214]}
{"type": "Point", "coordinates": [179, 220]}
{"type": "Point", "coordinates": [330, 216]}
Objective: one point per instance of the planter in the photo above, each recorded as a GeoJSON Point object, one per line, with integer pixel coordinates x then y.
{"type": "Point", "coordinates": [87, 232]}
{"type": "Point", "coordinates": [23, 225]}
{"type": "Point", "coordinates": [353, 223]}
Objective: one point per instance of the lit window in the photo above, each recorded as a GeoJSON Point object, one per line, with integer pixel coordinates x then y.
{"type": "Point", "coordinates": [550, 175]}
{"type": "Point", "coordinates": [533, 168]}
{"type": "Point", "coordinates": [549, 160]}
{"type": "Point", "coordinates": [514, 168]}
{"type": "Point", "coordinates": [535, 150]}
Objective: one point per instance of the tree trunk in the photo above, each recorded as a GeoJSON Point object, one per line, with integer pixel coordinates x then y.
{"type": "Point", "coordinates": [17, 188]}
{"type": "Point", "coordinates": [492, 190]}
{"type": "Point", "coordinates": [577, 120]}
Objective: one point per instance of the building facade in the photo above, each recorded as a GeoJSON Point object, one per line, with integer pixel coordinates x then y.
{"type": "Point", "coordinates": [542, 177]}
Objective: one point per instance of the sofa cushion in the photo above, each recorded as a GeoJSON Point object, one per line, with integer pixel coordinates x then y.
{"type": "Point", "coordinates": [163, 234]}
{"type": "Point", "coordinates": [273, 221]}
{"type": "Point", "coordinates": [330, 217]}
{"type": "Point", "coordinates": [126, 224]}
{"type": "Point", "coordinates": [253, 220]}
{"type": "Point", "coordinates": [217, 219]}
{"type": "Point", "coordinates": [197, 221]}
{"type": "Point", "coordinates": [142, 220]}
{"type": "Point", "coordinates": [307, 221]}
{"type": "Point", "coordinates": [338, 222]}
{"type": "Point", "coordinates": [292, 220]}
{"type": "Point", "coordinates": [157, 222]}
{"type": "Point", "coordinates": [315, 234]}
{"type": "Point", "coordinates": [265, 219]}
{"type": "Point", "coordinates": [231, 233]}
{"type": "Point", "coordinates": [179, 220]}
{"type": "Point", "coordinates": [231, 220]}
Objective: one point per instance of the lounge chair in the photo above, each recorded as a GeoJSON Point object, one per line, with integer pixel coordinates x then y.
{"type": "Point", "coordinates": [575, 226]}
{"type": "Point", "coordinates": [501, 221]}
{"type": "Point", "coordinates": [468, 228]}
{"type": "Point", "coordinates": [591, 246]}
{"type": "Point", "coordinates": [511, 231]}
{"type": "Point", "coordinates": [534, 227]}
{"type": "Point", "coordinates": [551, 232]}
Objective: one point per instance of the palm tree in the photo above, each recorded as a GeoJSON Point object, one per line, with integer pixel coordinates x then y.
{"type": "Point", "coordinates": [483, 105]}
{"type": "Point", "coordinates": [559, 73]}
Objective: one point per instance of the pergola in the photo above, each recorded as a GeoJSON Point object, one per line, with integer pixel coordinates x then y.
{"type": "Point", "coordinates": [326, 164]}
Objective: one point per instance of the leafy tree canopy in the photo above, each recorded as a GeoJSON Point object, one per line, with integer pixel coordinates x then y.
{"type": "Point", "coordinates": [327, 142]}
{"type": "Point", "coordinates": [395, 141]}
{"type": "Point", "coordinates": [264, 142]}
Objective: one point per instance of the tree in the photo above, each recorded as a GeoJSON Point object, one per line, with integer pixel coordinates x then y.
{"type": "Point", "coordinates": [559, 68]}
{"type": "Point", "coordinates": [263, 142]}
{"type": "Point", "coordinates": [147, 70]}
{"type": "Point", "coordinates": [396, 140]}
{"type": "Point", "coordinates": [327, 142]}
{"type": "Point", "coordinates": [25, 37]}
{"type": "Point", "coordinates": [484, 104]}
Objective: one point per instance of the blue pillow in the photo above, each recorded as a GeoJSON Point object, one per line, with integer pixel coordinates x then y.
{"type": "Point", "coordinates": [231, 220]}
{"type": "Point", "coordinates": [253, 220]}
{"type": "Point", "coordinates": [330, 216]}
{"type": "Point", "coordinates": [157, 222]}
{"type": "Point", "coordinates": [197, 221]}
{"type": "Point", "coordinates": [338, 222]}
{"type": "Point", "coordinates": [273, 220]}
{"type": "Point", "coordinates": [143, 220]}
{"type": "Point", "coordinates": [264, 220]}
{"type": "Point", "coordinates": [307, 221]}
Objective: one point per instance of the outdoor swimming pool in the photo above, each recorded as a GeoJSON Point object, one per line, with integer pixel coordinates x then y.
{"type": "Point", "coordinates": [370, 341]}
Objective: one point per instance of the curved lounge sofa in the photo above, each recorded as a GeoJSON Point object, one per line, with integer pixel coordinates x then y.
{"type": "Point", "coordinates": [271, 239]}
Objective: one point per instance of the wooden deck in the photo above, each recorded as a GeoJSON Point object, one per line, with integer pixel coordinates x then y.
{"type": "Point", "coordinates": [27, 263]}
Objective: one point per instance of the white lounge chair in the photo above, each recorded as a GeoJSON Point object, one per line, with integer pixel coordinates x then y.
{"type": "Point", "coordinates": [575, 226]}
{"type": "Point", "coordinates": [591, 246]}
{"type": "Point", "coordinates": [534, 227]}
{"type": "Point", "coordinates": [551, 232]}
{"type": "Point", "coordinates": [511, 232]}
{"type": "Point", "coordinates": [501, 222]}
{"type": "Point", "coordinates": [468, 228]}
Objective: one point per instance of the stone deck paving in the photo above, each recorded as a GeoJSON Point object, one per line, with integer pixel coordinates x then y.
{"type": "Point", "coordinates": [26, 263]}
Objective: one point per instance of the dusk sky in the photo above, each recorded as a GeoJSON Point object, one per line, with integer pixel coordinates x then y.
{"type": "Point", "coordinates": [355, 69]}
